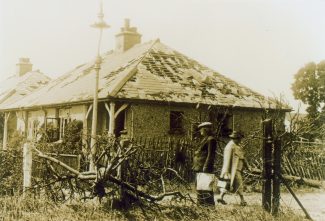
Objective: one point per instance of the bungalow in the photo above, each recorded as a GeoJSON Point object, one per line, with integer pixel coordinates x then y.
{"type": "Point", "coordinates": [15, 88]}
{"type": "Point", "coordinates": [145, 89]}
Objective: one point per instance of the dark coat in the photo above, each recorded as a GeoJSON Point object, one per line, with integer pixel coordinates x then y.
{"type": "Point", "coordinates": [204, 156]}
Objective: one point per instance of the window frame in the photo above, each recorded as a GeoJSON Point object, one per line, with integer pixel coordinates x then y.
{"type": "Point", "coordinates": [176, 124]}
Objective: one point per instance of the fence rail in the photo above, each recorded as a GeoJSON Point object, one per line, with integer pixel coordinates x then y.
{"type": "Point", "coordinates": [39, 165]}
{"type": "Point", "coordinates": [309, 145]}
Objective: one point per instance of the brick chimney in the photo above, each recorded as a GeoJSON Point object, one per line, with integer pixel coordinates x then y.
{"type": "Point", "coordinates": [23, 66]}
{"type": "Point", "coordinates": [127, 38]}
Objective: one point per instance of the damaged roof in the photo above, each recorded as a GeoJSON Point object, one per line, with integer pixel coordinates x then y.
{"type": "Point", "coordinates": [150, 71]}
{"type": "Point", "coordinates": [17, 87]}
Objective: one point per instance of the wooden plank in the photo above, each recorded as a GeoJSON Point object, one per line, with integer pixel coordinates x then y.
{"type": "Point", "coordinates": [302, 172]}
{"type": "Point", "coordinates": [287, 162]}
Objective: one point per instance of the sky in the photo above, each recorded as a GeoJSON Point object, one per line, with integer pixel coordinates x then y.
{"type": "Point", "coordinates": [258, 43]}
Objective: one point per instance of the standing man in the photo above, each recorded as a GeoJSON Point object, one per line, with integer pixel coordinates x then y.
{"type": "Point", "coordinates": [234, 161]}
{"type": "Point", "coordinates": [203, 165]}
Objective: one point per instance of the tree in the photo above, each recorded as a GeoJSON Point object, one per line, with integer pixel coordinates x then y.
{"type": "Point", "coordinates": [309, 87]}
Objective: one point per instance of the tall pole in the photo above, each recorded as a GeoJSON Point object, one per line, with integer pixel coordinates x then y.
{"type": "Point", "coordinates": [276, 179]}
{"type": "Point", "coordinates": [100, 25]}
{"type": "Point", "coordinates": [267, 165]}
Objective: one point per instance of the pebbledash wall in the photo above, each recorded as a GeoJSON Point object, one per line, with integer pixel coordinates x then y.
{"type": "Point", "coordinates": [147, 120]}
{"type": "Point", "coordinates": [153, 120]}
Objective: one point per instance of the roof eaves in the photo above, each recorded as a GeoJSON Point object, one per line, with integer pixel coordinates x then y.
{"type": "Point", "coordinates": [8, 95]}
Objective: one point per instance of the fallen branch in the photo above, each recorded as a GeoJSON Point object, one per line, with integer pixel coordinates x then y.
{"type": "Point", "coordinates": [109, 177]}
{"type": "Point", "coordinates": [77, 174]}
{"type": "Point", "coordinates": [142, 194]}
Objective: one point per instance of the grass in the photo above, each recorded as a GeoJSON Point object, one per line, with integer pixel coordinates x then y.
{"type": "Point", "coordinates": [30, 208]}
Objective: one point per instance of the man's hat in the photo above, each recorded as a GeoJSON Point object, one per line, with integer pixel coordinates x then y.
{"type": "Point", "coordinates": [204, 124]}
{"type": "Point", "coordinates": [236, 135]}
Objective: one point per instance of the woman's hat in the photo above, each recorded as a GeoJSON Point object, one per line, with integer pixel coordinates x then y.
{"type": "Point", "coordinates": [236, 135]}
{"type": "Point", "coordinates": [204, 124]}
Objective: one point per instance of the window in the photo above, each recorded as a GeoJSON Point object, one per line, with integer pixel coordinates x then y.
{"type": "Point", "coordinates": [63, 124]}
{"type": "Point", "coordinates": [120, 122]}
{"type": "Point", "coordinates": [222, 122]}
{"type": "Point", "coordinates": [176, 122]}
{"type": "Point", "coordinates": [53, 129]}
{"type": "Point", "coordinates": [225, 127]}
{"type": "Point", "coordinates": [36, 125]}
{"type": "Point", "coordinates": [195, 133]}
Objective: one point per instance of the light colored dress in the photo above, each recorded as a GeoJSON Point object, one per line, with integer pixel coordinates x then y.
{"type": "Point", "coordinates": [233, 162]}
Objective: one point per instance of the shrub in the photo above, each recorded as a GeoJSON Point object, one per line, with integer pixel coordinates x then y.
{"type": "Point", "coordinates": [11, 164]}
{"type": "Point", "coordinates": [72, 139]}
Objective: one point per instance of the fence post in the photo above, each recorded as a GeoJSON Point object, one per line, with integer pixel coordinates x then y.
{"type": "Point", "coordinates": [27, 166]}
{"type": "Point", "coordinates": [267, 164]}
{"type": "Point", "coordinates": [121, 173]}
{"type": "Point", "coordinates": [276, 179]}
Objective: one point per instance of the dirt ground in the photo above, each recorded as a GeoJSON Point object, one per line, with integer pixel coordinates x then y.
{"type": "Point", "coordinates": [313, 201]}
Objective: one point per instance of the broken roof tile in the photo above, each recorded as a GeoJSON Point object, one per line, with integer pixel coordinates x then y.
{"type": "Point", "coordinates": [148, 71]}
{"type": "Point", "coordinates": [16, 87]}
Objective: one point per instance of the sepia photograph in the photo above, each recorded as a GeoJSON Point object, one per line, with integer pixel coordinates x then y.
{"type": "Point", "coordinates": [162, 110]}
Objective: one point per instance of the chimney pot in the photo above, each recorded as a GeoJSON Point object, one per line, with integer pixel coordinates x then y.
{"type": "Point", "coordinates": [127, 38]}
{"type": "Point", "coordinates": [126, 23]}
{"type": "Point", "coordinates": [23, 66]}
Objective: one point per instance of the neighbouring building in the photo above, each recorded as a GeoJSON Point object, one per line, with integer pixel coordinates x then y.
{"type": "Point", "coordinates": [15, 88]}
{"type": "Point", "coordinates": [146, 89]}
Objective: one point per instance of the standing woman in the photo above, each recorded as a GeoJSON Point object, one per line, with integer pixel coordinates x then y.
{"type": "Point", "coordinates": [203, 165]}
{"type": "Point", "coordinates": [234, 162]}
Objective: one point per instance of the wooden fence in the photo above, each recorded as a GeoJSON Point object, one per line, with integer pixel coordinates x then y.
{"type": "Point", "coordinates": [178, 155]}
{"type": "Point", "coordinates": [166, 152]}
{"type": "Point", "coordinates": [305, 163]}
{"type": "Point", "coordinates": [39, 165]}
